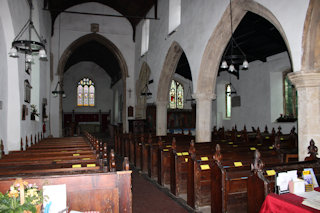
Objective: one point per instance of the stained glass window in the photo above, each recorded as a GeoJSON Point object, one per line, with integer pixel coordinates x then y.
{"type": "Point", "coordinates": [176, 95]}
{"type": "Point", "coordinates": [228, 101]}
{"type": "Point", "coordinates": [85, 93]}
{"type": "Point", "coordinates": [179, 96]}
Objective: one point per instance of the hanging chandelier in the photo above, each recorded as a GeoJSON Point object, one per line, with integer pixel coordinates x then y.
{"type": "Point", "coordinates": [28, 47]}
{"type": "Point", "coordinates": [58, 90]}
{"type": "Point", "coordinates": [233, 55]}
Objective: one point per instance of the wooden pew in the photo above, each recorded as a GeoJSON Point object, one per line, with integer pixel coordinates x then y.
{"type": "Point", "coordinates": [260, 184]}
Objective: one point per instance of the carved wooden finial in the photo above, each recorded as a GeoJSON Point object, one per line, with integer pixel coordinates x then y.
{"type": "Point", "coordinates": [277, 144]}
{"type": "Point", "coordinates": [266, 130]}
{"type": "Point", "coordinates": [293, 130]}
{"type": "Point", "coordinates": [192, 149]}
{"type": "Point", "coordinates": [257, 164]}
{"type": "Point", "coordinates": [244, 128]}
{"type": "Point", "coordinates": [279, 130]}
{"type": "Point", "coordinates": [112, 161]}
{"type": "Point", "coordinates": [21, 145]}
{"type": "Point", "coordinates": [149, 139]}
{"type": "Point", "coordinates": [253, 129]}
{"type": "Point", "coordinates": [125, 165]}
{"type": "Point", "coordinates": [174, 144]}
{"type": "Point", "coordinates": [27, 145]}
{"type": "Point", "coordinates": [2, 148]}
{"type": "Point", "coordinates": [217, 155]}
{"type": "Point", "coordinates": [160, 143]}
{"type": "Point", "coordinates": [312, 150]}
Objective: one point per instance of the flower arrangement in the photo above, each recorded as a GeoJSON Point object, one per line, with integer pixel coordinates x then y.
{"type": "Point", "coordinates": [21, 198]}
{"type": "Point", "coordinates": [34, 110]}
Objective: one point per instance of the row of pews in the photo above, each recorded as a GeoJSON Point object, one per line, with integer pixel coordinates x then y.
{"type": "Point", "coordinates": [213, 174]}
{"type": "Point", "coordinates": [84, 164]}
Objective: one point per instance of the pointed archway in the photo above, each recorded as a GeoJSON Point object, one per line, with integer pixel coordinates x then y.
{"type": "Point", "coordinates": [110, 46]}
{"type": "Point", "coordinates": [205, 89]}
{"type": "Point", "coordinates": [140, 86]}
{"type": "Point", "coordinates": [169, 67]}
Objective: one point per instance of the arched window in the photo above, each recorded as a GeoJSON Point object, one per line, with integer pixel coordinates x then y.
{"type": "Point", "coordinates": [85, 93]}
{"type": "Point", "coordinates": [176, 95]}
{"type": "Point", "coordinates": [228, 100]}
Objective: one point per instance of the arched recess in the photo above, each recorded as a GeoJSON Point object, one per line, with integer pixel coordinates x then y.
{"type": "Point", "coordinates": [141, 85]}
{"type": "Point", "coordinates": [311, 38]}
{"type": "Point", "coordinates": [169, 67]}
{"type": "Point", "coordinates": [108, 44]}
{"type": "Point", "coordinates": [220, 37]}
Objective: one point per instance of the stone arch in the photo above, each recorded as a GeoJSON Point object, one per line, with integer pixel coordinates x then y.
{"type": "Point", "coordinates": [108, 44]}
{"type": "Point", "coordinates": [220, 37]}
{"type": "Point", "coordinates": [311, 38]}
{"type": "Point", "coordinates": [169, 67]}
{"type": "Point", "coordinates": [141, 83]}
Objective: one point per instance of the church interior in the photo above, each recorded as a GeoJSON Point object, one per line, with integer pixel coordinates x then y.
{"type": "Point", "coordinates": [149, 106]}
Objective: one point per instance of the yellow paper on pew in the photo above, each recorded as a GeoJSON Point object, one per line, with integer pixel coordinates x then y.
{"type": "Point", "coordinates": [237, 164]}
{"type": "Point", "coordinates": [270, 147]}
{"type": "Point", "coordinates": [306, 172]}
{"type": "Point", "coordinates": [168, 146]}
{"type": "Point", "coordinates": [185, 153]}
{"type": "Point", "coordinates": [204, 158]}
{"type": "Point", "coordinates": [76, 166]}
{"type": "Point", "coordinates": [63, 151]}
{"type": "Point", "coordinates": [76, 154]}
{"type": "Point", "coordinates": [238, 136]}
{"type": "Point", "coordinates": [204, 167]}
{"type": "Point", "coordinates": [91, 165]}
{"type": "Point", "coordinates": [259, 144]}
{"type": "Point", "coordinates": [230, 142]}
{"type": "Point", "coordinates": [252, 148]}
{"type": "Point", "coordinates": [165, 150]}
{"type": "Point", "coordinates": [281, 139]}
{"type": "Point", "coordinates": [57, 160]}
{"type": "Point", "coordinates": [86, 158]}
{"type": "Point", "coordinates": [179, 153]}
{"type": "Point", "coordinates": [267, 137]}
{"type": "Point", "coordinates": [235, 145]}
{"type": "Point", "coordinates": [271, 172]}
{"type": "Point", "coordinates": [186, 159]}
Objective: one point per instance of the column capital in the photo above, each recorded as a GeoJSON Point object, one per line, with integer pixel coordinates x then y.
{"type": "Point", "coordinates": [305, 79]}
{"type": "Point", "coordinates": [204, 96]}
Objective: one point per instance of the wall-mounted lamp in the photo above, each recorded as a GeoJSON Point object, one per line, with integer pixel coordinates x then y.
{"type": "Point", "coordinates": [58, 90]}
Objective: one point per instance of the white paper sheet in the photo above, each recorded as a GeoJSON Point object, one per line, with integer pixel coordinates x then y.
{"type": "Point", "coordinates": [57, 197]}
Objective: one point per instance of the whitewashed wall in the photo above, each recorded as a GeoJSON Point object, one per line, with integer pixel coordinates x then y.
{"type": "Point", "coordinates": [4, 83]}
{"type": "Point", "coordinates": [102, 81]}
{"type": "Point", "coordinates": [74, 26]}
{"type": "Point", "coordinates": [195, 30]}
{"type": "Point", "coordinates": [261, 91]}
{"type": "Point", "coordinates": [14, 14]}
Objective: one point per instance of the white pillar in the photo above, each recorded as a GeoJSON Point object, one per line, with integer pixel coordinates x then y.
{"type": "Point", "coordinates": [203, 116]}
{"type": "Point", "coordinates": [308, 87]}
{"type": "Point", "coordinates": [162, 118]}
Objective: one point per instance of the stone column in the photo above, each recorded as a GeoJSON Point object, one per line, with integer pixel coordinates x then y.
{"type": "Point", "coordinates": [203, 116]}
{"type": "Point", "coordinates": [308, 87]}
{"type": "Point", "coordinates": [162, 118]}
